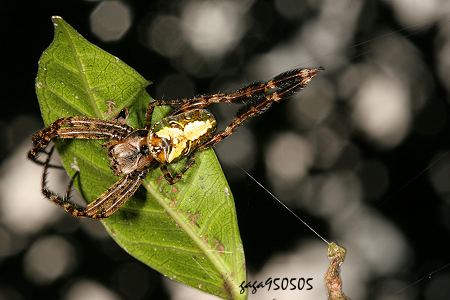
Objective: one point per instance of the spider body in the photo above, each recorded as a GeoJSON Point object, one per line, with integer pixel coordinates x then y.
{"type": "Point", "coordinates": [133, 152]}
{"type": "Point", "coordinates": [168, 140]}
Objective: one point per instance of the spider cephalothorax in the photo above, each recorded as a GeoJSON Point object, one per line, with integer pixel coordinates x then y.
{"type": "Point", "coordinates": [133, 152]}
{"type": "Point", "coordinates": [130, 154]}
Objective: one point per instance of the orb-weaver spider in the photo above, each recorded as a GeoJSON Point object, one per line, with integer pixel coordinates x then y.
{"type": "Point", "coordinates": [133, 152]}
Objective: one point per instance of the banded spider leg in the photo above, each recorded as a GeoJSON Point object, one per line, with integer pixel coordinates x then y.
{"type": "Point", "coordinates": [86, 128]}
{"type": "Point", "coordinates": [257, 97]}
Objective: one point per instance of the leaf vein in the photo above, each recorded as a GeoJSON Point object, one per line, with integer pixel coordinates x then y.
{"type": "Point", "coordinates": [82, 74]}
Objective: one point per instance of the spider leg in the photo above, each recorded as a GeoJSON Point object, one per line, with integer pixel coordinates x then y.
{"type": "Point", "coordinates": [73, 209]}
{"type": "Point", "coordinates": [105, 205]}
{"type": "Point", "coordinates": [174, 178]}
{"type": "Point", "coordinates": [42, 163]}
{"type": "Point", "coordinates": [255, 92]}
{"type": "Point", "coordinates": [45, 173]}
{"type": "Point", "coordinates": [76, 127]}
{"type": "Point", "coordinates": [113, 198]}
{"type": "Point", "coordinates": [70, 186]}
{"type": "Point", "coordinates": [151, 106]}
{"type": "Point", "coordinates": [250, 94]}
{"type": "Point", "coordinates": [254, 109]}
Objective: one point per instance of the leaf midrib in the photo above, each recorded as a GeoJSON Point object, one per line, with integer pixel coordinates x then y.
{"type": "Point", "coordinates": [214, 259]}
{"type": "Point", "coordinates": [80, 65]}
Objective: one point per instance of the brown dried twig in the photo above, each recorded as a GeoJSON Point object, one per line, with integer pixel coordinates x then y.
{"type": "Point", "coordinates": [336, 255]}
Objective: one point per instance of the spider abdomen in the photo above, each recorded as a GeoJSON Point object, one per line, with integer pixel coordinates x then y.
{"type": "Point", "coordinates": [175, 137]}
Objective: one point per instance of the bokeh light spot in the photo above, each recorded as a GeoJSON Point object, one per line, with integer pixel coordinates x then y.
{"type": "Point", "coordinates": [48, 259]}
{"type": "Point", "coordinates": [238, 149]}
{"type": "Point", "coordinates": [213, 28]}
{"type": "Point", "coordinates": [313, 105]}
{"type": "Point", "coordinates": [337, 193]}
{"type": "Point", "coordinates": [288, 158]}
{"type": "Point", "coordinates": [110, 20]}
{"type": "Point", "coordinates": [165, 37]}
{"type": "Point", "coordinates": [381, 109]}
{"type": "Point", "coordinates": [416, 13]}
{"type": "Point", "coordinates": [381, 243]}
{"type": "Point", "coordinates": [90, 290]}
{"type": "Point", "coordinates": [23, 208]}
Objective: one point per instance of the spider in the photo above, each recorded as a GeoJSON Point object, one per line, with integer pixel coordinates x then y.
{"type": "Point", "coordinates": [133, 152]}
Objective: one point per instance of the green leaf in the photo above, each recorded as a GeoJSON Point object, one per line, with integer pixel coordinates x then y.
{"type": "Point", "coordinates": [187, 231]}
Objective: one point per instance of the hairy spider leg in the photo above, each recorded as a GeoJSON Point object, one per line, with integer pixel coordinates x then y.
{"type": "Point", "coordinates": [254, 109]}
{"type": "Point", "coordinates": [250, 94]}
{"type": "Point", "coordinates": [45, 174]}
{"type": "Point", "coordinates": [75, 127]}
{"type": "Point", "coordinates": [115, 196]}
{"type": "Point", "coordinates": [173, 178]}
{"type": "Point", "coordinates": [85, 128]}
{"type": "Point", "coordinates": [257, 96]}
{"type": "Point", "coordinates": [52, 196]}
{"type": "Point", "coordinates": [102, 207]}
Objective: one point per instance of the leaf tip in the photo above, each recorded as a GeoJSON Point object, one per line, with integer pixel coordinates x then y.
{"type": "Point", "coordinates": [56, 20]}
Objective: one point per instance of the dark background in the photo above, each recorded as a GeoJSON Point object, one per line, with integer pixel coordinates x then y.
{"type": "Point", "coordinates": [403, 182]}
